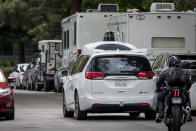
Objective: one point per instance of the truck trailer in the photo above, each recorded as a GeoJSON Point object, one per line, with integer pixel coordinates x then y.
{"type": "Point", "coordinates": [161, 29]}
{"type": "Point", "coordinates": [50, 58]}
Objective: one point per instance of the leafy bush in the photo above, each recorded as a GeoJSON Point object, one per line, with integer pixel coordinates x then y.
{"type": "Point", "coordinates": [7, 70]}
{"type": "Point", "coordinates": [12, 63]}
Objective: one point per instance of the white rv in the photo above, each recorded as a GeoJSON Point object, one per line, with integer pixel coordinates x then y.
{"type": "Point", "coordinates": [49, 61]}
{"type": "Point", "coordinates": [161, 29]}
{"type": "Point", "coordinates": [83, 28]}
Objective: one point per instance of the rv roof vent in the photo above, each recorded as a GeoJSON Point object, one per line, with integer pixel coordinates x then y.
{"type": "Point", "coordinates": [162, 7]}
{"type": "Point", "coordinates": [108, 7]}
{"type": "Point", "coordinates": [92, 10]}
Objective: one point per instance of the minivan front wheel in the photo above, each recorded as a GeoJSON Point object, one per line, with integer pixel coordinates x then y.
{"type": "Point", "coordinates": [79, 115]}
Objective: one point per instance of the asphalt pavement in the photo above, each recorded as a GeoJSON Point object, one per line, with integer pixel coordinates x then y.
{"type": "Point", "coordinates": [41, 111]}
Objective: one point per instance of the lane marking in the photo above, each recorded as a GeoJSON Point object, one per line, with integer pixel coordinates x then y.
{"type": "Point", "coordinates": [70, 124]}
{"type": "Point", "coordinates": [48, 116]}
{"type": "Point", "coordinates": [28, 109]}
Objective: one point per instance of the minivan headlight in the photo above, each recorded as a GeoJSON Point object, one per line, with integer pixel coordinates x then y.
{"type": "Point", "coordinates": [4, 92]}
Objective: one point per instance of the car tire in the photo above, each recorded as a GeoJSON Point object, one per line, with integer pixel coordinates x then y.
{"type": "Point", "coordinates": [79, 115]}
{"type": "Point", "coordinates": [65, 112]}
{"type": "Point", "coordinates": [134, 114]}
{"type": "Point", "coordinates": [10, 116]}
{"type": "Point", "coordinates": [59, 89]}
{"type": "Point", "coordinates": [37, 86]}
{"type": "Point", "coordinates": [46, 85]}
{"type": "Point", "coordinates": [150, 115]}
{"type": "Point", "coordinates": [28, 86]}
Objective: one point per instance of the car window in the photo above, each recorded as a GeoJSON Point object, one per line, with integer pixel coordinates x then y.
{"type": "Point", "coordinates": [112, 47]}
{"type": "Point", "coordinates": [80, 64]}
{"type": "Point", "coordinates": [1, 77]}
{"type": "Point", "coordinates": [188, 62]}
{"type": "Point", "coordinates": [159, 63]}
{"type": "Point", "coordinates": [119, 65]}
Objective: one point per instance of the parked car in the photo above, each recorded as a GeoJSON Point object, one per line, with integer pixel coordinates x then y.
{"type": "Point", "coordinates": [188, 63]}
{"type": "Point", "coordinates": [14, 74]}
{"type": "Point", "coordinates": [6, 99]}
{"type": "Point", "coordinates": [21, 70]}
{"type": "Point", "coordinates": [110, 82]}
{"type": "Point", "coordinates": [58, 79]}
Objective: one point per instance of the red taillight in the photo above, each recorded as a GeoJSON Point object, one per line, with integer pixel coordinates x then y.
{"type": "Point", "coordinates": [94, 75]}
{"type": "Point", "coordinates": [176, 93]}
{"type": "Point", "coordinates": [22, 73]}
{"type": "Point", "coordinates": [159, 17]}
{"type": "Point", "coordinates": [130, 16]}
{"type": "Point", "coordinates": [178, 17]}
{"type": "Point", "coordinates": [145, 104]}
{"type": "Point", "coordinates": [148, 75]}
{"type": "Point", "coordinates": [34, 70]}
{"type": "Point", "coordinates": [105, 16]}
{"type": "Point", "coordinates": [79, 51]}
{"type": "Point", "coordinates": [169, 17]}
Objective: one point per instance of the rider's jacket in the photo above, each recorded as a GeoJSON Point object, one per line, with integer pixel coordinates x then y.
{"type": "Point", "coordinates": [165, 76]}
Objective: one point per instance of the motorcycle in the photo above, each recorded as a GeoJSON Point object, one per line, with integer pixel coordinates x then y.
{"type": "Point", "coordinates": [175, 113]}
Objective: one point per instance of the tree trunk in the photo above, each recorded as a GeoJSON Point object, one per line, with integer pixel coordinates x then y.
{"type": "Point", "coordinates": [21, 53]}
{"type": "Point", "coordinates": [75, 6]}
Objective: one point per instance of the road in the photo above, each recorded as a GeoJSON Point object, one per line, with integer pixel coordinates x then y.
{"type": "Point", "coordinates": [40, 111]}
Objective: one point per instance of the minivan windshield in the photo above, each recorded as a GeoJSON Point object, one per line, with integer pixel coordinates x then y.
{"type": "Point", "coordinates": [188, 61]}
{"type": "Point", "coordinates": [119, 65]}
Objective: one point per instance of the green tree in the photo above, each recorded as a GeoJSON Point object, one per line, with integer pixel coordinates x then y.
{"type": "Point", "coordinates": [13, 15]}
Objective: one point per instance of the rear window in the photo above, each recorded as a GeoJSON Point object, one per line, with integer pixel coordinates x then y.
{"type": "Point", "coordinates": [119, 65]}
{"type": "Point", "coordinates": [112, 47]}
{"type": "Point", "coordinates": [188, 62]}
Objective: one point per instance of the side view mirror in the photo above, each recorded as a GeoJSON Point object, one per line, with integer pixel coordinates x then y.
{"type": "Point", "coordinates": [64, 73]}
{"type": "Point", "coordinates": [11, 79]}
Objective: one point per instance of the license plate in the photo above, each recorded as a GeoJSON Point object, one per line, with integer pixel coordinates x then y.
{"type": "Point", "coordinates": [120, 84]}
{"type": "Point", "coordinates": [176, 100]}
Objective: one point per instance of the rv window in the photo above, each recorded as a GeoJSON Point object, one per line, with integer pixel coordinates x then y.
{"type": "Point", "coordinates": [112, 47]}
{"type": "Point", "coordinates": [68, 39]}
{"type": "Point", "coordinates": [75, 33]}
{"type": "Point", "coordinates": [65, 41]}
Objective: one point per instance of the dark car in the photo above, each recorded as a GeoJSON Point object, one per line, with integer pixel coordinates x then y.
{"type": "Point", "coordinates": [6, 98]}
{"type": "Point", "coordinates": [188, 63]}
{"type": "Point", "coordinates": [58, 79]}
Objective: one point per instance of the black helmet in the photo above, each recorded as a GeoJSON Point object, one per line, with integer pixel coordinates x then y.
{"type": "Point", "coordinates": [174, 61]}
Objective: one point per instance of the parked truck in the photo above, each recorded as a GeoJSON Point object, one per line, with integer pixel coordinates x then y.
{"type": "Point", "coordinates": [50, 57]}
{"type": "Point", "coordinates": [161, 29]}
{"type": "Point", "coordinates": [83, 28]}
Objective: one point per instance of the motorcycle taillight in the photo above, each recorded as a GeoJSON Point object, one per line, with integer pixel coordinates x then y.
{"type": "Point", "coordinates": [176, 93]}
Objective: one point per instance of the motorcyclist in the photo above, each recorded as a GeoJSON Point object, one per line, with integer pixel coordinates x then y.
{"type": "Point", "coordinates": [163, 84]}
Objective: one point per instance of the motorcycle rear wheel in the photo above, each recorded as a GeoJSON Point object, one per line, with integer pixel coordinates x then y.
{"type": "Point", "coordinates": [176, 118]}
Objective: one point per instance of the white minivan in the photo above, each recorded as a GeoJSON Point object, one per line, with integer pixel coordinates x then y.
{"type": "Point", "coordinates": [109, 82]}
